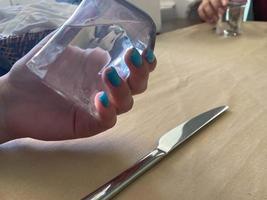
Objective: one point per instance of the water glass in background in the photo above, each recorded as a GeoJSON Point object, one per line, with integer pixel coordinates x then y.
{"type": "Point", "coordinates": [230, 24]}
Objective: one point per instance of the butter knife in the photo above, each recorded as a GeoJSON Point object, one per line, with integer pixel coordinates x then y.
{"type": "Point", "coordinates": [166, 144]}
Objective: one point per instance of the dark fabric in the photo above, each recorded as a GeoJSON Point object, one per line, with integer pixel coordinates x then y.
{"type": "Point", "coordinates": [260, 10]}
{"type": "Point", "coordinates": [14, 47]}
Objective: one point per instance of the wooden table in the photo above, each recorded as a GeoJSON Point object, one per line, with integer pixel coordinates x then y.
{"type": "Point", "coordinates": [197, 70]}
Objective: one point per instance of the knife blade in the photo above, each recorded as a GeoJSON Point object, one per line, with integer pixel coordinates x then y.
{"type": "Point", "coordinates": [166, 144]}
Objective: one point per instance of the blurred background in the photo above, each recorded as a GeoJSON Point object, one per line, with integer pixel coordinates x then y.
{"type": "Point", "coordinates": [171, 14]}
{"type": "Point", "coordinates": [23, 23]}
{"type": "Point", "coordinates": [167, 14]}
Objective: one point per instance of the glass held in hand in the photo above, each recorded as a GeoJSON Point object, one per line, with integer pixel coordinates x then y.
{"type": "Point", "coordinates": [96, 36]}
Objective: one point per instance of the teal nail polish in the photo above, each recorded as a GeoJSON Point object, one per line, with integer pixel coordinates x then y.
{"type": "Point", "coordinates": [103, 98]}
{"type": "Point", "coordinates": [136, 58]}
{"type": "Point", "coordinates": [113, 77]}
{"type": "Point", "coordinates": [150, 57]}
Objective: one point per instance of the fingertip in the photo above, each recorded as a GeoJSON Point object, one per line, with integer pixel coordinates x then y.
{"type": "Point", "coordinates": [106, 111]}
{"type": "Point", "coordinates": [134, 59]}
{"type": "Point", "coordinates": [103, 99]}
{"type": "Point", "coordinates": [112, 77]}
{"type": "Point", "coordinates": [149, 55]}
{"type": "Point", "coordinates": [150, 59]}
{"type": "Point", "coordinates": [140, 72]}
{"type": "Point", "coordinates": [120, 95]}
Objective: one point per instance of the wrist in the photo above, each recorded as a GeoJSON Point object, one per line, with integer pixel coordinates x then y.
{"type": "Point", "coordinates": [4, 137]}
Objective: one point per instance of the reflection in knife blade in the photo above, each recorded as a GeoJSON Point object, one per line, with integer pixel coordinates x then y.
{"type": "Point", "coordinates": [179, 134]}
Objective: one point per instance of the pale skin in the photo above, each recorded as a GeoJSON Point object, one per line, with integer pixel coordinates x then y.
{"type": "Point", "coordinates": [210, 10]}
{"type": "Point", "coordinates": [30, 109]}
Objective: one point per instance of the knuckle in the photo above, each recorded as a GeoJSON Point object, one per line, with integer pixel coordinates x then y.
{"type": "Point", "coordinates": [138, 90]}
{"type": "Point", "coordinates": [143, 74]}
{"type": "Point", "coordinates": [107, 124]}
{"type": "Point", "coordinates": [111, 123]}
{"type": "Point", "coordinates": [126, 106]}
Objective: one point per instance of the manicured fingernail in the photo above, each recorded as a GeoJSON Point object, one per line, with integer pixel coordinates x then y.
{"type": "Point", "coordinates": [113, 77]}
{"type": "Point", "coordinates": [150, 57]}
{"type": "Point", "coordinates": [103, 98]}
{"type": "Point", "coordinates": [136, 58]}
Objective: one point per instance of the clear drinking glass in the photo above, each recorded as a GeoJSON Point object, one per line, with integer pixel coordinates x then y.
{"type": "Point", "coordinates": [230, 24]}
{"type": "Point", "coordinates": [96, 36]}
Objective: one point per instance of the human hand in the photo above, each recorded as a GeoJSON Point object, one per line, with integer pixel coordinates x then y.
{"type": "Point", "coordinates": [210, 10]}
{"type": "Point", "coordinates": [31, 109]}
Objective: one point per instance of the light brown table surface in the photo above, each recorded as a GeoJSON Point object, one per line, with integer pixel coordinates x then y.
{"type": "Point", "coordinates": [197, 70]}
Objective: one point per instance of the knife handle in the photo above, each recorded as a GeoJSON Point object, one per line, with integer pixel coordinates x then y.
{"type": "Point", "coordinates": [114, 186]}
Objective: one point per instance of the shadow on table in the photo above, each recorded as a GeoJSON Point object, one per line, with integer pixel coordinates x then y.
{"type": "Point", "coordinates": [63, 170]}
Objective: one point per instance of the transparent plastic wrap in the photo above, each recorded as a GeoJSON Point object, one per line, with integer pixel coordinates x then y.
{"type": "Point", "coordinates": [96, 36]}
